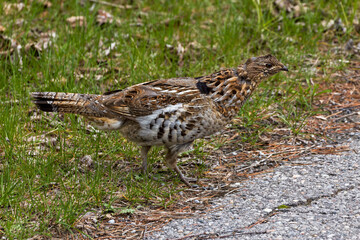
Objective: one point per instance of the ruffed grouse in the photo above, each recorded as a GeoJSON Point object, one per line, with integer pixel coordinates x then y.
{"type": "Point", "coordinates": [170, 112]}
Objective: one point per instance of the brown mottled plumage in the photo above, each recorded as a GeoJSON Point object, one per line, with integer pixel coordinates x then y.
{"type": "Point", "coordinates": [170, 112]}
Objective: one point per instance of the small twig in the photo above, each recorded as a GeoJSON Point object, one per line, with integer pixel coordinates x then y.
{"type": "Point", "coordinates": [302, 150]}
{"type": "Point", "coordinates": [316, 62]}
{"type": "Point", "coordinates": [252, 165]}
{"type": "Point", "coordinates": [236, 189]}
{"type": "Point", "coordinates": [256, 223]}
{"type": "Point", "coordinates": [347, 115]}
{"type": "Point", "coordinates": [334, 114]}
{"type": "Point", "coordinates": [346, 106]}
{"type": "Point", "coordinates": [144, 233]}
{"type": "Point", "coordinates": [291, 150]}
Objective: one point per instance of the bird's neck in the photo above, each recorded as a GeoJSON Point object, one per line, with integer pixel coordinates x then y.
{"type": "Point", "coordinates": [229, 89]}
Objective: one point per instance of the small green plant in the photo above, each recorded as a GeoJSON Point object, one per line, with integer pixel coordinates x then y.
{"type": "Point", "coordinates": [283, 207]}
{"type": "Point", "coordinates": [298, 106]}
{"type": "Point", "coordinates": [127, 211]}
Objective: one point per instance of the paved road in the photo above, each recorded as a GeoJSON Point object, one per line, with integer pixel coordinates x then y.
{"type": "Point", "coordinates": [317, 198]}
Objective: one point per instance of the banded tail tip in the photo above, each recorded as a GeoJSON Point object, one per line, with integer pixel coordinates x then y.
{"type": "Point", "coordinates": [43, 95]}
{"type": "Point", "coordinates": [43, 102]}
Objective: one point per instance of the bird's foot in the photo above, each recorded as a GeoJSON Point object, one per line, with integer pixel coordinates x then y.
{"type": "Point", "coordinates": [186, 180]}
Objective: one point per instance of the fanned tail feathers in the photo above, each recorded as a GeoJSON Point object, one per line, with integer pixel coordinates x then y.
{"type": "Point", "coordinates": [83, 104]}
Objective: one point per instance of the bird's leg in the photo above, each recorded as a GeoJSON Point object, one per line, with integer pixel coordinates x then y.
{"type": "Point", "coordinates": [170, 159]}
{"type": "Point", "coordinates": [144, 153]}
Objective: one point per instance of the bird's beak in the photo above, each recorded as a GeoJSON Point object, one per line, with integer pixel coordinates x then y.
{"type": "Point", "coordinates": [284, 68]}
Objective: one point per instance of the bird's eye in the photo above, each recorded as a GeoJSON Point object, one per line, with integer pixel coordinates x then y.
{"type": "Point", "coordinates": [268, 65]}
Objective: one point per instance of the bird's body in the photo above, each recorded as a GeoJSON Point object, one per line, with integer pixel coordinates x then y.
{"type": "Point", "coordinates": [170, 112]}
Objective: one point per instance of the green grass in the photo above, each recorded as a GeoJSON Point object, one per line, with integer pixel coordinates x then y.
{"type": "Point", "coordinates": [44, 185]}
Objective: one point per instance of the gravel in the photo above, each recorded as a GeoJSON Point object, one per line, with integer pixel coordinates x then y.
{"type": "Point", "coordinates": [316, 197]}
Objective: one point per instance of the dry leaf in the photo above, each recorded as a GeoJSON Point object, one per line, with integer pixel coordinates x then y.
{"type": "Point", "coordinates": [108, 50]}
{"type": "Point", "coordinates": [2, 28]}
{"type": "Point", "coordinates": [43, 140]}
{"type": "Point", "coordinates": [180, 52]}
{"type": "Point", "coordinates": [19, 22]}
{"type": "Point", "coordinates": [60, 79]}
{"type": "Point", "coordinates": [45, 3]}
{"type": "Point", "coordinates": [86, 162]}
{"type": "Point", "coordinates": [6, 43]}
{"type": "Point", "coordinates": [44, 42]}
{"type": "Point", "coordinates": [10, 47]}
{"type": "Point", "coordinates": [11, 8]}
{"type": "Point", "coordinates": [291, 7]}
{"type": "Point", "coordinates": [283, 4]}
{"type": "Point", "coordinates": [77, 21]}
{"type": "Point", "coordinates": [336, 25]}
{"type": "Point", "coordinates": [104, 17]}
{"type": "Point", "coordinates": [33, 48]}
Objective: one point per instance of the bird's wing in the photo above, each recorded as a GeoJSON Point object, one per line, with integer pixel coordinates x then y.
{"type": "Point", "coordinates": [145, 98]}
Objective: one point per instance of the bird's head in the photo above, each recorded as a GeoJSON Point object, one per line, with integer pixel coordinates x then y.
{"type": "Point", "coordinates": [262, 67]}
